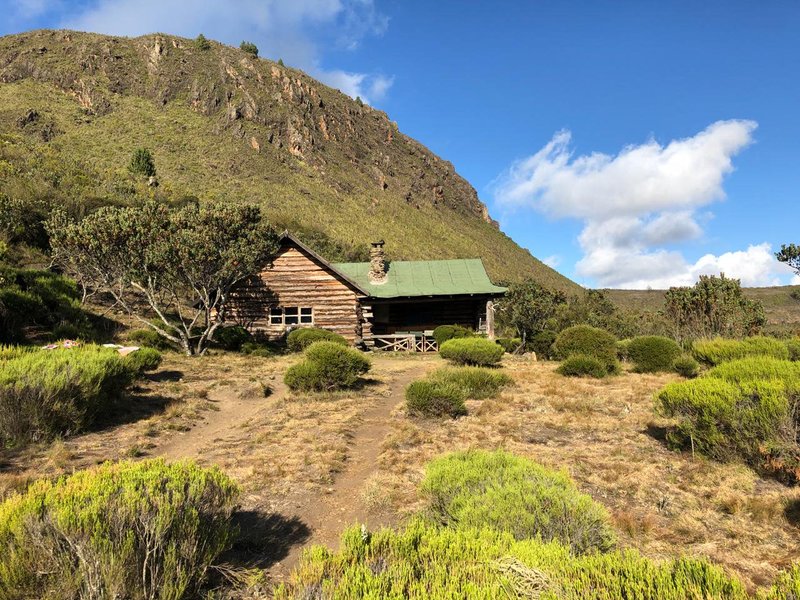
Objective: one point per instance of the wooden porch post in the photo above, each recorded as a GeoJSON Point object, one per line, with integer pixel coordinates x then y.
{"type": "Point", "coordinates": [490, 319]}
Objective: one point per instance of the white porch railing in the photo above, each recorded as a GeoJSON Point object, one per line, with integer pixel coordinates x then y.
{"type": "Point", "coordinates": [404, 342]}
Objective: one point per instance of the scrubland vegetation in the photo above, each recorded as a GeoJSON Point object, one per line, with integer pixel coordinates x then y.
{"type": "Point", "coordinates": [131, 530]}
{"type": "Point", "coordinates": [44, 394]}
{"type": "Point", "coordinates": [327, 366]}
{"type": "Point", "coordinates": [473, 351]}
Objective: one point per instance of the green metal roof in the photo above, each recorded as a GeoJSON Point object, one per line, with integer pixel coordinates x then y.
{"type": "Point", "coordinates": [424, 278]}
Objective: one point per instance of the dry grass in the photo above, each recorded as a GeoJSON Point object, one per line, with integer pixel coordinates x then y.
{"type": "Point", "coordinates": [603, 433]}
{"type": "Point", "coordinates": [287, 450]}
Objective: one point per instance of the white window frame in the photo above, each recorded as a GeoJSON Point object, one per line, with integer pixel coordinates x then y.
{"type": "Point", "coordinates": [291, 315]}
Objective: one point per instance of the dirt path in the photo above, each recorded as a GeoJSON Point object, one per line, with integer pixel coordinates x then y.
{"type": "Point", "coordinates": [233, 409]}
{"type": "Point", "coordinates": [328, 515]}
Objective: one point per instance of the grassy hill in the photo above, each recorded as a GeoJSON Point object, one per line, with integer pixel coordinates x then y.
{"type": "Point", "coordinates": [783, 311]}
{"type": "Point", "coordinates": [226, 126]}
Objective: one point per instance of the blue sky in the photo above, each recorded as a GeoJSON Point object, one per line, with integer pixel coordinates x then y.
{"type": "Point", "coordinates": [631, 144]}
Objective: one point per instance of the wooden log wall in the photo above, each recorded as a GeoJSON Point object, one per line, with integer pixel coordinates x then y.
{"type": "Point", "coordinates": [296, 279]}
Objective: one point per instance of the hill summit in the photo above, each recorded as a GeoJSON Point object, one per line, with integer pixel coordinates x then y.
{"type": "Point", "coordinates": [225, 125]}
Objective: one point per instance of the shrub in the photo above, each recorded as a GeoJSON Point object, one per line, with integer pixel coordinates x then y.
{"type": "Point", "coordinates": [232, 338]}
{"type": "Point", "coordinates": [622, 348]}
{"type": "Point", "coordinates": [652, 353]}
{"type": "Point", "coordinates": [122, 530]}
{"type": "Point", "coordinates": [201, 42]}
{"type": "Point", "coordinates": [300, 339]}
{"type": "Point", "coordinates": [757, 368]}
{"type": "Point", "coordinates": [542, 344]}
{"type": "Point", "coordinates": [477, 489]}
{"type": "Point", "coordinates": [510, 345]}
{"type": "Point", "coordinates": [430, 398]}
{"type": "Point", "coordinates": [256, 349]}
{"type": "Point", "coordinates": [57, 392]}
{"type": "Point", "coordinates": [444, 333]}
{"type": "Point", "coordinates": [589, 341]}
{"type": "Point", "coordinates": [327, 366]}
{"type": "Point", "coordinates": [580, 365]}
{"type": "Point", "coordinates": [422, 562]}
{"type": "Point", "coordinates": [724, 420]}
{"type": "Point", "coordinates": [142, 163]}
{"type": "Point", "coordinates": [476, 382]}
{"type": "Point", "coordinates": [793, 347]}
{"type": "Point", "coordinates": [149, 339]}
{"type": "Point", "coordinates": [719, 350]}
{"type": "Point", "coordinates": [686, 366]}
{"type": "Point", "coordinates": [249, 47]}
{"type": "Point", "coordinates": [143, 360]}
{"type": "Point", "coordinates": [41, 299]}
{"type": "Point", "coordinates": [471, 351]}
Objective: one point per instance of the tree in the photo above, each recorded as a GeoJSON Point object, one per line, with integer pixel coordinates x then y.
{"type": "Point", "coordinates": [529, 308]}
{"type": "Point", "coordinates": [595, 308]}
{"type": "Point", "coordinates": [790, 254]}
{"type": "Point", "coordinates": [201, 43]}
{"type": "Point", "coordinates": [182, 263]}
{"type": "Point", "coordinates": [714, 306]}
{"type": "Point", "coordinates": [142, 163]}
{"type": "Point", "coordinates": [249, 47]}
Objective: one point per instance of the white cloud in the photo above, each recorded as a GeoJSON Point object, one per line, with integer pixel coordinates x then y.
{"type": "Point", "coordinates": [637, 205]}
{"type": "Point", "coordinates": [298, 31]}
{"type": "Point", "coordinates": [552, 261]}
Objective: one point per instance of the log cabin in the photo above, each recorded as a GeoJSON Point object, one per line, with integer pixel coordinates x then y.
{"type": "Point", "coordinates": [374, 304]}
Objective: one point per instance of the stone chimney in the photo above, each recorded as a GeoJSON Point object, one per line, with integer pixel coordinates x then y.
{"type": "Point", "coordinates": [377, 264]}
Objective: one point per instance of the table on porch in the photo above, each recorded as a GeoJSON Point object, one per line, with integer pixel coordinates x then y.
{"type": "Point", "coordinates": [406, 341]}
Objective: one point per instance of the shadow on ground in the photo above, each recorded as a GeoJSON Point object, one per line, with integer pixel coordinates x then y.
{"type": "Point", "coordinates": [264, 539]}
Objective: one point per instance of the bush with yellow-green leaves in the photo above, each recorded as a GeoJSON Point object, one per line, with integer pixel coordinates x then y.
{"type": "Point", "coordinates": [146, 530]}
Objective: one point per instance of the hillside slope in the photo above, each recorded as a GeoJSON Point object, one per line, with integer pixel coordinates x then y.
{"type": "Point", "coordinates": [223, 125]}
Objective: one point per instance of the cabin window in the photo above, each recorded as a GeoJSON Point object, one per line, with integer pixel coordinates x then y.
{"type": "Point", "coordinates": [291, 315]}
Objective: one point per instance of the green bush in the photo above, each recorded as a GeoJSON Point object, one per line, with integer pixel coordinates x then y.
{"type": "Point", "coordinates": [686, 366]}
{"type": "Point", "coordinates": [580, 365]}
{"type": "Point", "coordinates": [622, 348]}
{"type": "Point", "coordinates": [787, 586]}
{"type": "Point", "coordinates": [510, 345]}
{"type": "Point", "coordinates": [142, 163]}
{"type": "Point", "coordinates": [477, 489]}
{"type": "Point", "coordinates": [425, 562]}
{"type": "Point", "coordinates": [257, 349]}
{"type": "Point", "coordinates": [201, 42]}
{"type": "Point", "coordinates": [444, 333]}
{"type": "Point", "coordinates": [755, 368]}
{"type": "Point", "coordinates": [300, 339]}
{"type": "Point", "coordinates": [793, 347]}
{"type": "Point", "coordinates": [719, 350]}
{"type": "Point", "coordinates": [589, 341]}
{"type": "Point", "coordinates": [143, 360]}
{"type": "Point", "coordinates": [476, 382]}
{"type": "Point", "coordinates": [430, 398]}
{"type": "Point", "coordinates": [727, 421]}
{"type": "Point", "coordinates": [249, 47]}
{"type": "Point", "coordinates": [149, 339]}
{"type": "Point", "coordinates": [327, 366]}
{"type": "Point", "coordinates": [46, 393]}
{"type": "Point", "coordinates": [43, 300]}
{"type": "Point", "coordinates": [542, 344]}
{"type": "Point", "coordinates": [478, 352]}
{"type": "Point", "coordinates": [652, 353]}
{"type": "Point", "coordinates": [122, 530]}
{"type": "Point", "coordinates": [232, 338]}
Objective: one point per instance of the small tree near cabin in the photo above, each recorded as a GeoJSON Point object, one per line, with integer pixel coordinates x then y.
{"type": "Point", "coordinates": [183, 263]}
{"type": "Point", "coordinates": [714, 306]}
{"type": "Point", "coordinates": [142, 163]}
{"type": "Point", "coordinates": [529, 307]}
